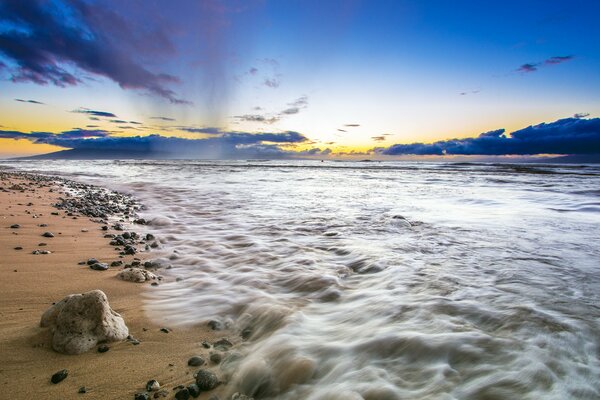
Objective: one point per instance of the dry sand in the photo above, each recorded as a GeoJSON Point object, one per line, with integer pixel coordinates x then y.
{"type": "Point", "coordinates": [29, 284]}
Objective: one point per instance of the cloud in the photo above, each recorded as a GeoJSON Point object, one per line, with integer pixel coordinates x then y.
{"type": "Point", "coordinates": [378, 138]}
{"type": "Point", "coordinates": [208, 131]}
{"type": "Point", "coordinates": [581, 115]}
{"type": "Point", "coordinates": [558, 60]}
{"type": "Point", "coordinates": [351, 125]}
{"type": "Point", "coordinates": [272, 82]}
{"type": "Point", "coordinates": [300, 102]}
{"type": "Point", "coordinates": [95, 113]}
{"type": "Point", "coordinates": [526, 68]}
{"type": "Point", "coordinates": [253, 71]}
{"type": "Point", "coordinates": [135, 123]}
{"type": "Point", "coordinates": [290, 111]}
{"type": "Point", "coordinates": [118, 121]}
{"type": "Point", "coordinates": [163, 118]}
{"type": "Point", "coordinates": [55, 42]}
{"type": "Point", "coordinates": [228, 145]}
{"type": "Point", "coordinates": [29, 101]}
{"type": "Point", "coordinates": [532, 67]}
{"type": "Point", "coordinates": [564, 136]}
{"type": "Point", "coordinates": [342, 130]}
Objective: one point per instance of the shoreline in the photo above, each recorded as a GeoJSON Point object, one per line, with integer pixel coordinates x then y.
{"type": "Point", "coordinates": [31, 283]}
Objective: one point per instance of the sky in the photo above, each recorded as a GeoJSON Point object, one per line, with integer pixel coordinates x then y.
{"type": "Point", "coordinates": [277, 79]}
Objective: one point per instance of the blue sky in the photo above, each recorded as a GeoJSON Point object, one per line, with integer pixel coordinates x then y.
{"type": "Point", "coordinates": [400, 72]}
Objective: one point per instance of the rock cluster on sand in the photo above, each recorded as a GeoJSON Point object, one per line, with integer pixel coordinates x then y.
{"type": "Point", "coordinates": [80, 321]}
{"type": "Point", "coordinates": [136, 275]}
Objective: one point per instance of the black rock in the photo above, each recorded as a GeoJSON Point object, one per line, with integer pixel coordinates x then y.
{"type": "Point", "coordinates": [59, 376]}
{"type": "Point", "coordinates": [42, 244]}
{"type": "Point", "coordinates": [194, 390]}
{"type": "Point", "coordinates": [117, 263]}
{"type": "Point", "coordinates": [216, 358]}
{"type": "Point", "coordinates": [141, 396]}
{"type": "Point", "coordinates": [206, 380]}
{"type": "Point", "coordinates": [206, 345]}
{"type": "Point", "coordinates": [91, 261]}
{"type": "Point", "coordinates": [246, 333]}
{"type": "Point", "coordinates": [54, 213]}
{"type": "Point", "coordinates": [118, 227]}
{"type": "Point", "coordinates": [18, 248]}
{"type": "Point", "coordinates": [196, 361]}
{"type": "Point", "coordinates": [165, 330]}
{"type": "Point", "coordinates": [82, 263]}
{"type": "Point", "coordinates": [149, 236]}
{"type": "Point", "coordinates": [215, 325]}
{"type": "Point", "coordinates": [183, 394]}
{"type": "Point", "coordinates": [82, 389]}
{"type": "Point", "coordinates": [15, 226]}
{"type": "Point", "coordinates": [126, 235]}
{"type": "Point", "coordinates": [222, 344]}
{"type": "Point", "coordinates": [48, 234]}
{"type": "Point", "coordinates": [103, 348]}
{"type": "Point", "coordinates": [130, 250]}
{"type": "Point", "coordinates": [99, 266]}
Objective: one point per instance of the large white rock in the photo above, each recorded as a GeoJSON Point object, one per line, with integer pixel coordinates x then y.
{"type": "Point", "coordinates": [136, 275]}
{"type": "Point", "coordinates": [79, 321]}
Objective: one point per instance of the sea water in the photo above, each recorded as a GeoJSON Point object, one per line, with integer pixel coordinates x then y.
{"type": "Point", "coordinates": [386, 280]}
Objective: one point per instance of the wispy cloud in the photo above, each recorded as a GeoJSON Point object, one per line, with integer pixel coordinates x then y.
{"type": "Point", "coordinates": [532, 67]}
{"type": "Point", "coordinates": [272, 82]}
{"type": "Point", "coordinates": [29, 101]}
{"type": "Point", "coordinates": [94, 113]}
{"type": "Point", "coordinates": [164, 118]}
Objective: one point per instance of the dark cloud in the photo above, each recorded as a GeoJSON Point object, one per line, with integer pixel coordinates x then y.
{"type": "Point", "coordinates": [253, 71]}
{"type": "Point", "coordinates": [94, 113]}
{"type": "Point", "coordinates": [581, 115]}
{"type": "Point", "coordinates": [54, 42]}
{"type": "Point", "coordinates": [29, 101]}
{"type": "Point", "coordinates": [291, 110]}
{"type": "Point", "coordinates": [118, 121]}
{"type": "Point", "coordinates": [526, 68]}
{"type": "Point", "coordinates": [564, 136]}
{"type": "Point", "coordinates": [351, 125]}
{"type": "Point", "coordinates": [558, 59]}
{"type": "Point", "coordinates": [342, 130]}
{"type": "Point", "coordinates": [228, 145]}
{"type": "Point", "coordinates": [300, 102]}
{"type": "Point", "coordinates": [532, 67]}
{"type": "Point", "coordinates": [135, 123]}
{"type": "Point", "coordinates": [378, 138]}
{"type": "Point", "coordinates": [163, 118]}
{"type": "Point", "coordinates": [208, 131]}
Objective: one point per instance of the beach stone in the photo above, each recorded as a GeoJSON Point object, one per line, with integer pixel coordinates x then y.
{"type": "Point", "coordinates": [206, 380]}
{"type": "Point", "coordinates": [130, 250]}
{"type": "Point", "coordinates": [82, 389]}
{"type": "Point", "coordinates": [152, 385]}
{"type": "Point", "coordinates": [239, 396]}
{"type": "Point", "coordinates": [183, 394]}
{"type": "Point", "coordinates": [193, 390]}
{"type": "Point", "coordinates": [15, 226]}
{"type": "Point", "coordinates": [216, 358]}
{"type": "Point", "coordinates": [18, 248]}
{"type": "Point", "coordinates": [222, 344]}
{"type": "Point", "coordinates": [103, 348]}
{"type": "Point", "coordinates": [91, 261]}
{"type": "Point", "coordinates": [99, 266]}
{"type": "Point", "coordinates": [79, 321]}
{"type": "Point", "coordinates": [136, 275]}
{"type": "Point", "coordinates": [48, 234]}
{"type": "Point", "coordinates": [117, 263]}
{"type": "Point", "coordinates": [59, 376]}
{"type": "Point", "coordinates": [196, 361]}
{"type": "Point", "coordinates": [141, 396]}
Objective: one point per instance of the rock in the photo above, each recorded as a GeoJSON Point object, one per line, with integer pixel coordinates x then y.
{"type": "Point", "coordinates": [82, 389]}
{"type": "Point", "coordinates": [54, 213]}
{"type": "Point", "coordinates": [216, 358]}
{"type": "Point", "coordinates": [152, 385]}
{"type": "Point", "coordinates": [206, 380]}
{"type": "Point", "coordinates": [18, 248]}
{"type": "Point", "coordinates": [99, 266]}
{"type": "Point", "coordinates": [193, 390]}
{"type": "Point", "coordinates": [205, 344]}
{"type": "Point", "coordinates": [59, 376]}
{"type": "Point", "coordinates": [141, 396]}
{"type": "Point", "coordinates": [239, 396]}
{"type": "Point", "coordinates": [149, 236]}
{"type": "Point", "coordinates": [118, 227]}
{"type": "Point", "coordinates": [136, 275]}
{"type": "Point", "coordinates": [42, 244]}
{"type": "Point", "coordinates": [165, 330]}
{"type": "Point", "coordinates": [129, 250]}
{"type": "Point", "coordinates": [117, 263]}
{"type": "Point", "coordinates": [161, 393]}
{"type": "Point", "coordinates": [15, 226]}
{"type": "Point", "coordinates": [222, 344]}
{"type": "Point", "coordinates": [91, 261]}
{"type": "Point", "coordinates": [183, 394]}
{"type": "Point", "coordinates": [48, 234]}
{"type": "Point", "coordinates": [196, 361]}
{"type": "Point", "coordinates": [36, 252]}
{"type": "Point", "coordinates": [215, 325]}
{"type": "Point", "coordinates": [79, 321]}
{"type": "Point", "coordinates": [103, 348]}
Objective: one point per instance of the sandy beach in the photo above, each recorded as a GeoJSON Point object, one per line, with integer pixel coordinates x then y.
{"type": "Point", "coordinates": [33, 282]}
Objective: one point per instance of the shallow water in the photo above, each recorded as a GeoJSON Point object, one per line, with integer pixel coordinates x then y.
{"type": "Point", "coordinates": [380, 280]}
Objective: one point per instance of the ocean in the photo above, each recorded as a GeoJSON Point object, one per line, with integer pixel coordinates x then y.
{"type": "Point", "coordinates": [378, 280]}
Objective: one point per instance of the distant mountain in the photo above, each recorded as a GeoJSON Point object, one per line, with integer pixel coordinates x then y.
{"type": "Point", "coordinates": [98, 154]}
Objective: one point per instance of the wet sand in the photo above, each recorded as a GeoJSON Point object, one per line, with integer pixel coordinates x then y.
{"type": "Point", "coordinates": [30, 283]}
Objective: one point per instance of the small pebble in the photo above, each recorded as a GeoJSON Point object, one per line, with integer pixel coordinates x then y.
{"type": "Point", "coordinates": [18, 248]}
{"type": "Point", "coordinates": [194, 390]}
{"type": "Point", "coordinates": [48, 234]}
{"type": "Point", "coordinates": [103, 348]}
{"type": "Point", "coordinates": [165, 330]}
{"type": "Point", "coordinates": [152, 385]}
{"type": "Point", "coordinates": [59, 376]}
{"type": "Point", "coordinates": [82, 389]}
{"type": "Point", "coordinates": [15, 226]}
{"type": "Point", "coordinates": [141, 396]}
{"type": "Point", "coordinates": [183, 394]}
{"type": "Point", "coordinates": [206, 380]}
